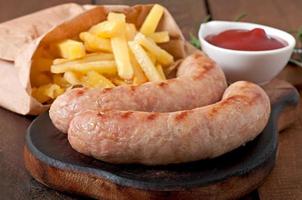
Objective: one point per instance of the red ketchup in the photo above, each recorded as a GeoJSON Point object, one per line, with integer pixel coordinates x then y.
{"type": "Point", "coordinates": [246, 40]}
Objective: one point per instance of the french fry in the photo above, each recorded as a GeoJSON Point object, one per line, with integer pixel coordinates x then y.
{"type": "Point", "coordinates": [161, 71]}
{"type": "Point", "coordinates": [160, 37]}
{"type": "Point", "coordinates": [73, 78]}
{"type": "Point", "coordinates": [106, 29]}
{"type": "Point", "coordinates": [71, 49]}
{"type": "Point", "coordinates": [130, 31]}
{"type": "Point", "coordinates": [96, 80]}
{"type": "Point", "coordinates": [105, 66]}
{"type": "Point", "coordinates": [59, 80]}
{"type": "Point", "coordinates": [118, 81]}
{"type": "Point", "coordinates": [60, 61]}
{"type": "Point", "coordinates": [97, 57]}
{"type": "Point", "coordinates": [139, 76]}
{"type": "Point", "coordinates": [88, 58]}
{"type": "Point", "coordinates": [51, 90]}
{"type": "Point", "coordinates": [150, 24]}
{"type": "Point", "coordinates": [120, 49]}
{"type": "Point", "coordinates": [46, 92]}
{"type": "Point", "coordinates": [152, 57]}
{"type": "Point", "coordinates": [95, 43]}
{"type": "Point", "coordinates": [119, 55]}
{"type": "Point", "coordinates": [144, 61]}
{"type": "Point", "coordinates": [116, 17]}
{"type": "Point", "coordinates": [162, 56]}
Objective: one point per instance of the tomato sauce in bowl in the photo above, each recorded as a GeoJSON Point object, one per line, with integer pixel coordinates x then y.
{"type": "Point", "coordinates": [246, 40]}
{"type": "Point", "coordinates": [246, 51]}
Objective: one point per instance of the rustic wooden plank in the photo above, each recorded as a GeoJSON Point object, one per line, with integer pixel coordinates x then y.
{"type": "Point", "coordinates": [188, 14]}
{"type": "Point", "coordinates": [285, 181]}
{"type": "Point", "coordinates": [281, 14]}
{"type": "Point", "coordinates": [15, 182]}
{"type": "Point", "coordinates": [15, 8]}
{"type": "Point", "coordinates": [292, 74]}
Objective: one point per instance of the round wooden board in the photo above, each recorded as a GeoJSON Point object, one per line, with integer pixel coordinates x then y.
{"type": "Point", "coordinates": [51, 160]}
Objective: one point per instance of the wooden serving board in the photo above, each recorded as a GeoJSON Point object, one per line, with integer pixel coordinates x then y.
{"type": "Point", "coordinates": [51, 160]}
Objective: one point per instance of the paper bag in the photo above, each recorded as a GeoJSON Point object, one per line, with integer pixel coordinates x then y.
{"type": "Point", "coordinates": [20, 38]}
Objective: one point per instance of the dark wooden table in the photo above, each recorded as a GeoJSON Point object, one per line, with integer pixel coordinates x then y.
{"type": "Point", "coordinates": [285, 181]}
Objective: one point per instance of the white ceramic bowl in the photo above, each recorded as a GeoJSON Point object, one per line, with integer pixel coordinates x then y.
{"type": "Point", "coordinates": [256, 66]}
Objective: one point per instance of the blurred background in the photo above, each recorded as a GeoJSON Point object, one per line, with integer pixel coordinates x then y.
{"type": "Point", "coordinates": [281, 14]}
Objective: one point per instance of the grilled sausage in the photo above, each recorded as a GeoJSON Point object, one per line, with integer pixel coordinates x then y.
{"type": "Point", "coordinates": [199, 82]}
{"type": "Point", "coordinates": [154, 138]}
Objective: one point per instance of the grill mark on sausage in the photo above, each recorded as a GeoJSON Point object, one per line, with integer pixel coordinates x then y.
{"type": "Point", "coordinates": [206, 69]}
{"type": "Point", "coordinates": [152, 116]}
{"type": "Point", "coordinates": [181, 115]}
{"type": "Point", "coordinates": [80, 92]}
{"type": "Point", "coordinates": [162, 84]}
{"type": "Point", "coordinates": [197, 55]}
{"type": "Point", "coordinates": [172, 80]}
{"type": "Point", "coordinates": [255, 95]}
{"type": "Point", "coordinates": [254, 99]}
{"type": "Point", "coordinates": [219, 107]}
{"type": "Point", "coordinates": [114, 136]}
{"type": "Point", "coordinates": [126, 115]}
{"type": "Point", "coordinates": [132, 88]}
{"type": "Point", "coordinates": [105, 90]}
{"type": "Point", "coordinates": [100, 114]}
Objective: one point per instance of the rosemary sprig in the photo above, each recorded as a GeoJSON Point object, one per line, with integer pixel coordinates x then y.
{"type": "Point", "coordinates": [195, 41]}
{"type": "Point", "coordinates": [207, 19]}
{"type": "Point", "coordinates": [297, 54]}
{"type": "Point", "coordinates": [240, 17]}
{"type": "Point", "coordinates": [296, 62]}
{"type": "Point", "coordinates": [299, 34]}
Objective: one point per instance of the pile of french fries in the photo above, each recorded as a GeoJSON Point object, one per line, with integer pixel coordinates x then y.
{"type": "Point", "coordinates": [109, 54]}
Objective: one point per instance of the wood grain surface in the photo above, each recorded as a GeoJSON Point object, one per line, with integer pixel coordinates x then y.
{"type": "Point", "coordinates": [99, 188]}
{"type": "Point", "coordinates": [285, 181]}
{"type": "Point", "coordinates": [16, 8]}
{"type": "Point", "coordinates": [15, 182]}
{"type": "Point", "coordinates": [281, 14]}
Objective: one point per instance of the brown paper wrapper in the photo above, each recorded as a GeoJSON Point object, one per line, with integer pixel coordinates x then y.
{"type": "Point", "coordinates": [20, 38]}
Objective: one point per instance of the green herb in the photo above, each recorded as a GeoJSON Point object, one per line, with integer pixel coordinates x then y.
{"type": "Point", "coordinates": [296, 62]}
{"type": "Point", "coordinates": [240, 17]}
{"type": "Point", "coordinates": [207, 19]}
{"type": "Point", "coordinates": [195, 41]}
{"type": "Point", "coordinates": [299, 34]}
{"type": "Point", "coordinates": [299, 39]}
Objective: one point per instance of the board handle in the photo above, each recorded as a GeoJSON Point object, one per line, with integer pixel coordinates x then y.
{"type": "Point", "coordinates": [285, 100]}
